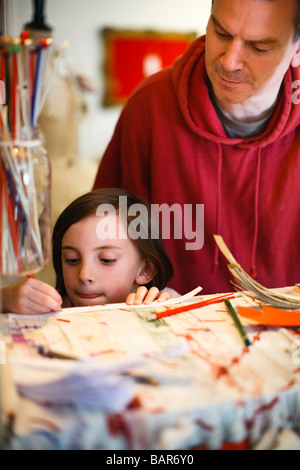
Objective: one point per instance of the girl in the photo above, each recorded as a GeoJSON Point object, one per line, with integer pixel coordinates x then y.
{"type": "Point", "coordinates": [101, 254]}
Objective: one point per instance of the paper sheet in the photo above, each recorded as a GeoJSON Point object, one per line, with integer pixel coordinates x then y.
{"type": "Point", "coordinates": [271, 316]}
{"type": "Point", "coordinates": [277, 298]}
{"type": "Point", "coordinates": [106, 344]}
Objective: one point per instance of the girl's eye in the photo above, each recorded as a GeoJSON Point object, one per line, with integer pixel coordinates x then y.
{"type": "Point", "coordinates": [107, 261]}
{"type": "Point", "coordinates": [71, 261]}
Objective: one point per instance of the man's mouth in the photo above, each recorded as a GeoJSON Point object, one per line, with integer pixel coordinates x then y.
{"type": "Point", "coordinates": [230, 83]}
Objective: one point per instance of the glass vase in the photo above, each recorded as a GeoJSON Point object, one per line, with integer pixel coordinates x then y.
{"type": "Point", "coordinates": [25, 181]}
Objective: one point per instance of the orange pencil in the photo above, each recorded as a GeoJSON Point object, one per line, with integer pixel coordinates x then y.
{"type": "Point", "coordinates": [185, 308]}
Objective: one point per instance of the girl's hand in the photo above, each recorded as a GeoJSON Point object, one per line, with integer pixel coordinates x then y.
{"type": "Point", "coordinates": [30, 296]}
{"type": "Point", "coordinates": [143, 296]}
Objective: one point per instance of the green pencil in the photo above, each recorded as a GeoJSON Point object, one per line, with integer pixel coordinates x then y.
{"type": "Point", "coordinates": [237, 322]}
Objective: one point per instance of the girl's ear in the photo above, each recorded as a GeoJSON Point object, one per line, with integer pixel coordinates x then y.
{"type": "Point", "coordinates": [146, 273]}
{"type": "Point", "coordinates": [296, 58]}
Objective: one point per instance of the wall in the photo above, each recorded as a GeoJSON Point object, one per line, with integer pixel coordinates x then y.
{"type": "Point", "coordinates": [79, 22]}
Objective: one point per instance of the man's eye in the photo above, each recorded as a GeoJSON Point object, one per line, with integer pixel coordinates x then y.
{"type": "Point", "coordinates": [258, 49]}
{"type": "Point", "coordinates": [222, 35]}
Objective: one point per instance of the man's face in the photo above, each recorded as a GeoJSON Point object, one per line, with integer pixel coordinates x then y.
{"type": "Point", "coordinates": [249, 47]}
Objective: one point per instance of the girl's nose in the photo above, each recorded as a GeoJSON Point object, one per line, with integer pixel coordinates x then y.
{"type": "Point", "coordinates": [86, 274]}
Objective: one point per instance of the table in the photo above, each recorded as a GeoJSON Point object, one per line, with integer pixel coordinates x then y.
{"type": "Point", "coordinates": [213, 393]}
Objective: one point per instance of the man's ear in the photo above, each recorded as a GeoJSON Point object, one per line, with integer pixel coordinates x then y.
{"type": "Point", "coordinates": [296, 58]}
{"type": "Point", "coordinates": [146, 273]}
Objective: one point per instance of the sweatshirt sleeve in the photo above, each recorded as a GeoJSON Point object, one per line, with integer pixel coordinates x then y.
{"type": "Point", "coordinates": [125, 163]}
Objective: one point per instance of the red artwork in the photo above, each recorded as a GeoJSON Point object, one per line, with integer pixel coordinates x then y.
{"type": "Point", "coordinates": [130, 56]}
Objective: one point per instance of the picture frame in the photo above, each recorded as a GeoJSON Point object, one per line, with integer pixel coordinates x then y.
{"type": "Point", "coordinates": [132, 55]}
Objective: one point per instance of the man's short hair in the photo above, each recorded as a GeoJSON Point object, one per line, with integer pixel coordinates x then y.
{"type": "Point", "coordinates": [297, 23]}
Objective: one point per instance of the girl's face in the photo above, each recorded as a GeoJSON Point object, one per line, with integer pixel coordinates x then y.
{"type": "Point", "coordinates": [100, 269]}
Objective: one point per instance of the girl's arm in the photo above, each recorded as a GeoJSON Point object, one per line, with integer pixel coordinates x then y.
{"type": "Point", "coordinates": [30, 296]}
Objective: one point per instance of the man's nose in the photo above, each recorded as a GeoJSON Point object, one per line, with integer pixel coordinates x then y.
{"type": "Point", "coordinates": [232, 58]}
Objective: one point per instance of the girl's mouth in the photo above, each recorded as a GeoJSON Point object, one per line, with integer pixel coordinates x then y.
{"type": "Point", "coordinates": [89, 296]}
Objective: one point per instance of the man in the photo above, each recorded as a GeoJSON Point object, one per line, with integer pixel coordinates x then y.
{"type": "Point", "coordinates": [221, 128]}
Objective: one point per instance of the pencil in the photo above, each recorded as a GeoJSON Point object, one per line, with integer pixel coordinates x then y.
{"type": "Point", "coordinates": [38, 79]}
{"type": "Point", "coordinates": [56, 354]}
{"type": "Point", "coordinates": [185, 308]}
{"type": "Point", "coordinates": [237, 322]}
{"type": "Point", "coordinates": [15, 80]}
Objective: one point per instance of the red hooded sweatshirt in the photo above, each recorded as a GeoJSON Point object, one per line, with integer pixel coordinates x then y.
{"type": "Point", "coordinates": [169, 146]}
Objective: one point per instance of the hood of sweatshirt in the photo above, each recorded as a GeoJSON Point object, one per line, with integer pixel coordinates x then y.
{"type": "Point", "coordinates": [190, 82]}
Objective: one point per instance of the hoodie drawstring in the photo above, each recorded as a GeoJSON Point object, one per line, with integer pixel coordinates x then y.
{"type": "Point", "coordinates": [218, 209]}
{"type": "Point", "coordinates": [253, 272]}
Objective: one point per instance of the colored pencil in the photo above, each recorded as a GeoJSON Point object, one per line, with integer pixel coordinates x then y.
{"type": "Point", "coordinates": [15, 80]}
{"type": "Point", "coordinates": [237, 322]}
{"type": "Point", "coordinates": [38, 79]}
{"type": "Point", "coordinates": [192, 306]}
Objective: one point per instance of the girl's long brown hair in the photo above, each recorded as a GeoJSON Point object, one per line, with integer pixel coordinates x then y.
{"type": "Point", "coordinates": [151, 249]}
